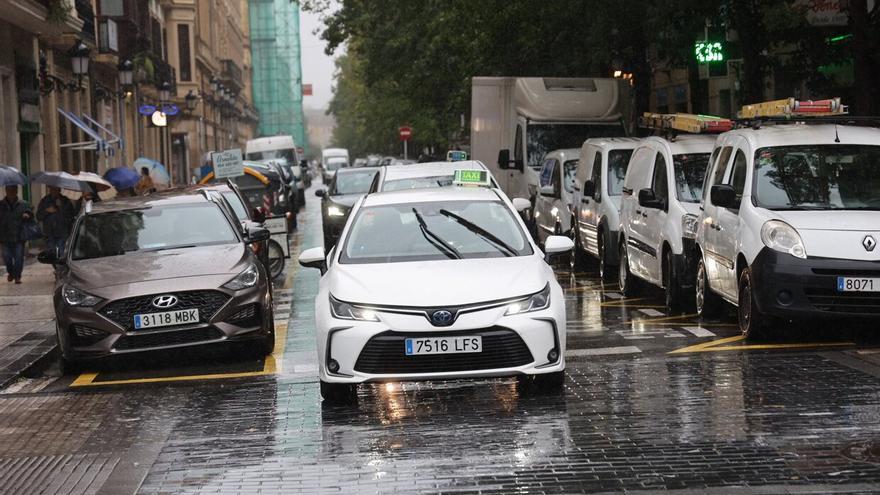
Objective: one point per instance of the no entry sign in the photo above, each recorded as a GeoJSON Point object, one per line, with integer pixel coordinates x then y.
{"type": "Point", "coordinates": [405, 133]}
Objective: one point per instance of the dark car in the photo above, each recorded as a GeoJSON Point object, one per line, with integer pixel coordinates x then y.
{"type": "Point", "coordinates": [165, 271]}
{"type": "Point", "coordinates": [346, 187]}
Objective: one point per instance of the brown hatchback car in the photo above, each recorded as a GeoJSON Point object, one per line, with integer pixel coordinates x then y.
{"type": "Point", "coordinates": [158, 272]}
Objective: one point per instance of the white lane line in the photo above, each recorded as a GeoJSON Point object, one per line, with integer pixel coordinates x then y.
{"type": "Point", "coordinates": [305, 368]}
{"type": "Point", "coordinates": [601, 351]}
{"type": "Point", "coordinates": [699, 331]}
{"type": "Point", "coordinates": [613, 295]}
{"type": "Point", "coordinates": [652, 312]}
{"type": "Point", "coordinates": [17, 386]}
{"type": "Point", "coordinates": [43, 383]}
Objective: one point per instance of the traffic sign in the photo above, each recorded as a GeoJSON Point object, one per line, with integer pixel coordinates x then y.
{"type": "Point", "coordinates": [405, 133]}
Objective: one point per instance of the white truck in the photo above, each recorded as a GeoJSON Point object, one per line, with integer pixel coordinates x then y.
{"type": "Point", "coordinates": [515, 121]}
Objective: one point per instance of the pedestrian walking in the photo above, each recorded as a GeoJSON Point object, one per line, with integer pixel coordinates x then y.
{"type": "Point", "coordinates": [145, 184]}
{"type": "Point", "coordinates": [56, 213]}
{"type": "Point", "coordinates": [14, 213]}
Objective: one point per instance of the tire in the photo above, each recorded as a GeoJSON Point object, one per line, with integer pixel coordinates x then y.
{"type": "Point", "coordinates": [706, 303]}
{"type": "Point", "coordinates": [276, 259]}
{"type": "Point", "coordinates": [580, 260]}
{"type": "Point", "coordinates": [338, 393]}
{"type": "Point", "coordinates": [267, 343]}
{"type": "Point", "coordinates": [753, 324]}
{"type": "Point", "coordinates": [605, 268]}
{"type": "Point", "coordinates": [671, 284]}
{"type": "Point", "coordinates": [544, 383]}
{"type": "Point", "coordinates": [625, 279]}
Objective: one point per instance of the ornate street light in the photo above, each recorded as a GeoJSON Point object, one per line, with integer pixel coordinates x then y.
{"type": "Point", "coordinates": [191, 101]}
{"type": "Point", "coordinates": [164, 91]}
{"type": "Point", "coordinates": [79, 59]}
{"type": "Point", "coordinates": [126, 72]}
{"type": "Point", "coordinates": [215, 84]}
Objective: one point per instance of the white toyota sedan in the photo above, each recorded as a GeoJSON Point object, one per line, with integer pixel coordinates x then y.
{"type": "Point", "coordinates": [437, 284]}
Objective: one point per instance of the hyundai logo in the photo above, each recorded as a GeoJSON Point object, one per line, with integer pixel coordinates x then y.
{"type": "Point", "coordinates": [869, 243]}
{"type": "Point", "coordinates": [442, 318]}
{"type": "Point", "coordinates": [165, 302]}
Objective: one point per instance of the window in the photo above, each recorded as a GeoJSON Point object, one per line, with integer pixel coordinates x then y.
{"type": "Point", "coordinates": [112, 8]}
{"type": "Point", "coordinates": [544, 138]}
{"type": "Point", "coordinates": [689, 171]}
{"type": "Point", "coordinates": [568, 179]}
{"type": "Point", "coordinates": [517, 144]}
{"type": "Point", "coordinates": [183, 52]}
{"type": "Point", "coordinates": [547, 173]}
{"type": "Point", "coordinates": [717, 171]}
{"type": "Point", "coordinates": [660, 183]}
{"type": "Point", "coordinates": [738, 176]}
{"type": "Point", "coordinates": [596, 176]}
{"type": "Point", "coordinates": [618, 162]}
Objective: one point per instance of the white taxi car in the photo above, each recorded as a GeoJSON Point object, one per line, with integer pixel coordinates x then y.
{"type": "Point", "coordinates": [437, 284]}
{"type": "Point", "coordinates": [424, 175]}
{"type": "Point", "coordinates": [658, 214]}
{"type": "Point", "coordinates": [790, 224]}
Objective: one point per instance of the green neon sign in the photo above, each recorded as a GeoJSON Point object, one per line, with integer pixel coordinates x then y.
{"type": "Point", "coordinates": [709, 51]}
{"type": "Point", "coordinates": [471, 177]}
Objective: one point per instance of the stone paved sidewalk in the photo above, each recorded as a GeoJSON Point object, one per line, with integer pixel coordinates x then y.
{"type": "Point", "coordinates": [27, 321]}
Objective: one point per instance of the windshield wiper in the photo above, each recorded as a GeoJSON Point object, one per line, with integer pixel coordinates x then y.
{"type": "Point", "coordinates": [483, 233]}
{"type": "Point", "coordinates": [185, 246]}
{"type": "Point", "coordinates": [435, 240]}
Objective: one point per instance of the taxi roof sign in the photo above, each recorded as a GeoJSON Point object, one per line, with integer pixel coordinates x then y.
{"type": "Point", "coordinates": [456, 156]}
{"type": "Point", "coordinates": [472, 177]}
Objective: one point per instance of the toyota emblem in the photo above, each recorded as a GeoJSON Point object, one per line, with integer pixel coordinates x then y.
{"type": "Point", "coordinates": [869, 243]}
{"type": "Point", "coordinates": [165, 302]}
{"type": "Point", "coordinates": [442, 318]}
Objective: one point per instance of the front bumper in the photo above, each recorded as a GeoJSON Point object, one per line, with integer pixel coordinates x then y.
{"type": "Point", "coordinates": [374, 351]}
{"type": "Point", "coordinates": [685, 264]}
{"type": "Point", "coordinates": [791, 287]}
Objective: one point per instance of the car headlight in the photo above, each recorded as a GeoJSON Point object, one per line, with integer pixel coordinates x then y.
{"type": "Point", "coordinates": [689, 226]}
{"type": "Point", "coordinates": [346, 311]}
{"type": "Point", "coordinates": [535, 302]}
{"type": "Point", "coordinates": [245, 279]}
{"type": "Point", "coordinates": [75, 297]}
{"type": "Point", "coordinates": [335, 211]}
{"type": "Point", "coordinates": [780, 236]}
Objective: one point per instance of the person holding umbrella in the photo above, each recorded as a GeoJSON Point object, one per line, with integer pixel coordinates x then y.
{"type": "Point", "coordinates": [145, 184]}
{"type": "Point", "coordinates": [57, 213]}
{"type": "Point", "coordinates": [13, 214]}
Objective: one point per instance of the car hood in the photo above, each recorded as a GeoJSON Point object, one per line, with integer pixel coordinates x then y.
{"type": "Point", "coordinates": [195, 268]}
{"type": "Point", "coordinates": [835, 234]}
{"type": "Point", "coordinates": [830, 220]}
{"type": "Point", "coordinates": [438, 283]}
{"type": "Point", "coordinates": [345, 199]}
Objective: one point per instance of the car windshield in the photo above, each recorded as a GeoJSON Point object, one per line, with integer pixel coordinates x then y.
{"type": "Point", "coordinates": [354, 182]}
{"type": "Point", "coordinates": [434, 231]}
{"type": "Point", "coordinates": [568, 175]}
{"type": "Point", "coordinates": [618, 161]}
{"type": "Point", "coordinates": [544, 138]}
{"type": "Point", "coordinates": [237, 206]}
{"type": "Point", "coordinates": [288, 154]}
{"type": "Point", "coordinates": [820, 177]}
{"type": "Point", "coordinates": [335, 163]}
{"type": "Point", "coordinates": [690, 171]}
{"type": "Point", "coordinates": [418, 183]}
{"type": "Point", "coordinates": [151, 229]}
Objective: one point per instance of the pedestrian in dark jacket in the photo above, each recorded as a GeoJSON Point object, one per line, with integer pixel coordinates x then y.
{"type": "Point", "coordinates": [13, 213]}
{"type": "Point", "coordinates": [56, 212]}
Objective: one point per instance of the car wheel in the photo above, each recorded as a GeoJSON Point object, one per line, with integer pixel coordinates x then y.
{"type": "Point", "coordinates": [605, 268]}
{"type": "Point", "coordinates": [276, 259]}
{"type": "Point", "coordinates": [671, 283]}
{"type": "Point", "coordinates": [707, 303]}
{"type": "Point", "coordinates": [338, 393]}
{"type": "Point", "coordinates": [625, 279]}
{"type": "Point", "coordinates": [547, 382]}
{"type": "Point", "coordinates": [580, 261]}
{"type": "Point", "coordinates": [753, 324]}
{"type": "Point", "coordinates": [267, 343]}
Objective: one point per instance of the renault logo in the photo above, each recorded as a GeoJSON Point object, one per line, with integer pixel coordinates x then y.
{"type": "Point", "coordinates": [869, 243]}
{"type": "Point", "coordinates": [441, 318]}
{"type": "Point", "coordinates": [165, 302]}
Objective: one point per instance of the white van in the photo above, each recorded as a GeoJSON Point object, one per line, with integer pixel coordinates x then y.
{"type": "Point", "coordinates": [596, 200]}
{"type": "Point", "coordinates": [332, 159]}
{"type": "Point", "coordinates": [790, 225]}
{"type": "Point", "coordinates": [555, 193]}
{"type": "Point", "coordinates": [658, 214]}
{"type": "Point", "coordinates": [272, 147]}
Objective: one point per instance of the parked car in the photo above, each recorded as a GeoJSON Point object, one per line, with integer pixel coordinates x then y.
{"type": "Point", "coordinates": [596, 201]}
{"type": "Point", "coordinates": [553, 204]}
{"type": "Point", "coordinates": [336, 201]}
{"type": "Point", "coordinates": [424, 175]}
{"type": "Point", "coordinates": [164, 271]}
{"type": "Point", "coordinates": [789, 228]}
{"type": "Point", "coordinates": [658, 215]}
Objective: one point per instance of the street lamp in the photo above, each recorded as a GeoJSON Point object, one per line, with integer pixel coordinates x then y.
{"type": "Point", "coordinates": [126, 72]}
{"type": "Point", "coordinates": [191, 101]}
{"type": "Point", "coordinates": [215, 84]}
{"type": "Point", "coordinates": [79, 58]}
{"type": "Point", "coordinates": [164, 91]}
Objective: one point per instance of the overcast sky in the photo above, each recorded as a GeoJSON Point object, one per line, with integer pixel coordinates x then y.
{"type": "Point", "coordinates": [317, 67]}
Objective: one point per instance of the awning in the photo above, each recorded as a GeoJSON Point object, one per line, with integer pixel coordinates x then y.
{"type": "Point", "coordinates": [97, 143]}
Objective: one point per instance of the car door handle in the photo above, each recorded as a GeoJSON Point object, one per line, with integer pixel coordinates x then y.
{"type": "Point", "coordinates": [585, 201]}
{"type": "Point", "coordinates": [645, 215]}
{"type": "Point", "coordinates": [638, 212]}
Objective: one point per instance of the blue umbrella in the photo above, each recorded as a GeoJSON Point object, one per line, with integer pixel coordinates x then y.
{"type": "Point", "coordinates": [122, 177]}
{"type": "Point", "coordinates": [10, 176]}
{"type": "Point", "coordinates": [61, 180]}
{"type": "Point", "coordinates": [158, 172]}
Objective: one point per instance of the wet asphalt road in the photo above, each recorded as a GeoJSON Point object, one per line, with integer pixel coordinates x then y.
{"type": "Point", "coordinates": [652, 401]}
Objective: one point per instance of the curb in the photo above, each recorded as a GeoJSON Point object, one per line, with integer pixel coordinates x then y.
{"type": "Point", "coordinates": [33, 363]}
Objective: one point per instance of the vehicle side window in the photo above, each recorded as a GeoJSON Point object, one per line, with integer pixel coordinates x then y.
{"type": "Point", "coordinates": [547, 172]}
{"type": "Point", "coordinates": [596, 176]}
{"type": "Point", "coordinates": [660, 182]}
{"type": "Point", "coordinates": [717, 174]}
{"type": "Point", "coordinates": [517, 144]}
{"type": "Point", "coordinates": [738, 175]}
{"type": "Point", "coordinates": [637, 171]}
{"type": "Point", "coordinates": [555, 180]}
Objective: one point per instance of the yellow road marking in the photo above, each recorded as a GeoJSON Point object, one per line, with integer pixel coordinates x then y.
{"type": "Point", "coordinates": [718, 346]}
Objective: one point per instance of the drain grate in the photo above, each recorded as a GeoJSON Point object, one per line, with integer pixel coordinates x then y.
{"type": "Point", "coordinates": [865, 451]}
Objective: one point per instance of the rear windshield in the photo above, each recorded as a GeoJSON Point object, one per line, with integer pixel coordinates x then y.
{"type": "Point", "coordinates": [353, 182]}
{"type": "Point", "coordinates": [418, 183]}
{"type": "Point", "coordinates": [288, 154]}
{"type": "Point", "coordinates": [151, 229]}
{"type": "Point", "coordinates": [690, 171]}
{"type": "Point", "coordinates": [335, 163]}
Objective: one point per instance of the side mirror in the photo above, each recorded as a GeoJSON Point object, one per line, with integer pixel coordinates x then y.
{"type": "Point", "coordinates": [723, 195]}
{"type": "Point", "coordinates": [49, 257]}
{"type": "Point", "coordinates": [505, 163]}
{"type": "Point", "coordinates": [556, 244]}
{"type": "Point", "coordinates": [256, 234]}
{"type": "Point", "coordinates": [313, 258]}
{"type": "Point", "coordinates": [589, 189]}
{"type": "Point", "coordinates": [521, 204]}
{"type": "Point", "coordinates": [548, 191]}
{"type": "Point", "coordinates": [649, 200]}
{"type": "Point", "coordinates": [320, 193]}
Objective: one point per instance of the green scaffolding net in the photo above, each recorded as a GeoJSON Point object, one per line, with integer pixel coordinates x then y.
{"type": "Point", "coordinates": [277, 72]}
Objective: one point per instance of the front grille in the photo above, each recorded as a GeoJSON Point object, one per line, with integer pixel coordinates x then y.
{"type": "Point", "coordinates": [145, 341]}
{"type": "Point", "coordinates": [384, 353]}
{"type": "Point", "coordinates": [83, 335]}
{"type": "Point", "coordinates": [248, 316]}
{"type": "Point", "coordinates": [844, 302]}
{"type": "Point", "coordinates": [122, 311]}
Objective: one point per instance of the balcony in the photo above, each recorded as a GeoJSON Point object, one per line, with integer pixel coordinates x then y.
{"type": "Point", "coordinates": [231, 73]}
{"type": "Point", "coordinates": [87, 15]}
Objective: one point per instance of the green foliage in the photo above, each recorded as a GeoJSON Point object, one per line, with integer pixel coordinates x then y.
{"type": "Point", "coordinates": [58, 11]}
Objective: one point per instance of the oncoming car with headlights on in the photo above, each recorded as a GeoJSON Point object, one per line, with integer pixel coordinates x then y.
{"type": "Point", "coordinates": [437, 283]}
{"type": "Point", "coordinates": [159, 272]}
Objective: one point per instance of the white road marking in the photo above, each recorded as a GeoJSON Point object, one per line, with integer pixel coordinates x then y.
{"type": "Point", "coordinates": [613, 295]}
{"type": "Point", "coordinates": [699, 331]}
{"type": "Point", "coordinates": [652, 312]}
{"type": "Point", "coordinates": [305, 368]}
{"type": "Point", "coordinates": [649, 333]}
{"type": "Point", "coordinates": [602, 351]}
